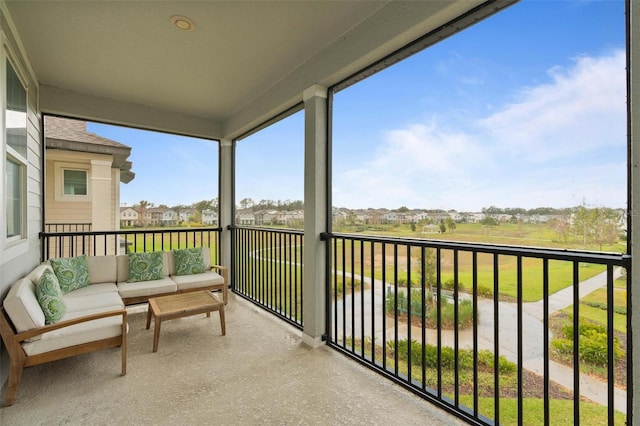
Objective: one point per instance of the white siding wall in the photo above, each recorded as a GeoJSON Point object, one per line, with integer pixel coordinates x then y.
{"type": "Point", "coordinates": [18, 258]}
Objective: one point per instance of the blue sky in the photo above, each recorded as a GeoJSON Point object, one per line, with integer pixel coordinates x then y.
{"type": "Point", "coordinates": [525, 109]}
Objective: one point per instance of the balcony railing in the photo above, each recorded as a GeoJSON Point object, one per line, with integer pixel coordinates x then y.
{"type": "Point", "coordinates": [69, 244]}
{"type": "Point", "coordinates": [494, 334]}
{"type": "Point", "coordinates": [267, 269]}
{"type": "Point", "coordinates": [486, 331]}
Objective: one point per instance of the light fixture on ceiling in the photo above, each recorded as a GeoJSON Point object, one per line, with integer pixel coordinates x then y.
{"type": "Point", "coordinates": [183, 23]}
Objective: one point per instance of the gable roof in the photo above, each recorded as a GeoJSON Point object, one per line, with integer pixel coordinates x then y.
{"type": "Point", "coordinates": [72, 135]}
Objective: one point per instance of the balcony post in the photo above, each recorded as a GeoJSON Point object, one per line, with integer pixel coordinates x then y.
{"type": "Point", "coordinates": [633, 104]}
{"type": "Point", "coordinates": [225, 200]}
{"type": "Point", "coordinates": [315, 214]}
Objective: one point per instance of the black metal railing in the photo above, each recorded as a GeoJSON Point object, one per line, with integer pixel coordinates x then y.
{"type": "Point", "coordinates": [493, 334]}
{"type": "Point", "coordinates": [267, 269]}
{"type": "Point", "coordinates": [67, 227]}
{"type": "Point", "coordinates": [69, 244]}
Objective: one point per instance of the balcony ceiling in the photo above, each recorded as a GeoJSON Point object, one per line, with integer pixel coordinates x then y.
{"type": "Point", "coordinates": [125, 63]}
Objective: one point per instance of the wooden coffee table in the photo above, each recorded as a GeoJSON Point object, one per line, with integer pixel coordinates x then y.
{"type": "Point", "coordinates": [182, 305]}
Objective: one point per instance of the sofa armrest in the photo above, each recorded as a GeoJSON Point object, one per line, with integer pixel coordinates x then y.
{"type": "Point", "coordinates": [224, 271]}
{"type": "Point", "coordinates": [20, 337]}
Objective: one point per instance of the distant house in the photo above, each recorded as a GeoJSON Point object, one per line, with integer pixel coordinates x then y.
{"type": "Point", "coordinates": [245, 217]}
{"type": "Point", "coordinates": [83, 176]}
{"type": "Point", "coordinates": [186, 214]}
{"type": "Point", "coordinates": [209, 217]}
{"type": "Point", "coordinates": [128, 216]}
{"type": "Point", "coordinates": [153, 215]}
{"type": "Point", "coordinates": [169, 217]}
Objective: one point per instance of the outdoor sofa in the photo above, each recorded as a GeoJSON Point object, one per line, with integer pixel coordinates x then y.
{"type": "Point", "coordinates": [40, 325]}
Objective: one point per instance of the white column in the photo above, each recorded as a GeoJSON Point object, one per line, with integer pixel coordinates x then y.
{"type": "Point", "coordinates": [101, 195]}
{"type": "Point", "coordinates": [315, 214]}
{"type": "Point", "coordinates": [225, 199]}
{"type": "Point", "coordinates": [634, 203]}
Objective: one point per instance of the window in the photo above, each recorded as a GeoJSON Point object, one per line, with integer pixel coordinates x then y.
{"type": "Point", "coordinates": [14, 202]}
{"type": "Point", "coordinates": [72, 182]}
{"type": "Point", "coordinates": [75, 182]}
{"type": "Point", "coordinates": [15, 119]}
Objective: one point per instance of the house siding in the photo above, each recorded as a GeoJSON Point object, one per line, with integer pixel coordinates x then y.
{"type": "Point", "coordinates": [18, 258]}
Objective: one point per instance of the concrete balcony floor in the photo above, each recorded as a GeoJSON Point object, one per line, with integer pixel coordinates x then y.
{"type": "Point", "coordinates": [259, 373]}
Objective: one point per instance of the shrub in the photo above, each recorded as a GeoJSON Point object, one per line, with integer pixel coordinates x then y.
{"type": "Point", "coordinates": [465, 314]}
{"type": "Point", "coordinates": [451, 285]}
{"type": "Point", "coordinates": [593, 343]}
{"type": "Point", "coordinates": [465, 309]}
{"type": "Point", "coordinates": [416, 302]}
{"type": "Point", "coordinates": [600, 305]}
{"type": "Point", "coordinates": [447, 357]}
{"type": "Point", "coordinates": [485, 291]}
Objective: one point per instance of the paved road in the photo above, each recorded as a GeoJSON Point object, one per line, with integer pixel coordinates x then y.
{"type": "Point", "coordinates": [532, 328]}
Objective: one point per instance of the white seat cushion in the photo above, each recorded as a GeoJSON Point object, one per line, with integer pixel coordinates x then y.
{"type": "Point", "coordinates": [206, 279]}
{"type": "Point", "coordinates": [95, 302]}
{"type": "Point", "coordinates": [77, 334]}
{"type": "Point", "coordinates": [93, 289]}
{"type": "Point", "coordinates": [146, 288]}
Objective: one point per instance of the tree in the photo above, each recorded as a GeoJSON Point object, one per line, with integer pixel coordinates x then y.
{"type": "Point", "coordinates": [142, 211]}
{"type": "Point", "coordinates": [489, 221]}
{"type": "Point", "coordinates": [562, 226]}
{"type": "Point", "coordinates": [596, 225]}
{"type": "Point", "coordinates": [443, 227]}
{"type": "Point", "coordinates": [203, 205]}
{"type": "Point", "coordinates": [451, 224]}
{"type": "Point", "coordinates": [246, 203]}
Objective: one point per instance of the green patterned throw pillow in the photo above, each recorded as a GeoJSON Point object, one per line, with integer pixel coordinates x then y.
{"type": "Point", "coordinates": [146, 266]}
{"type": "Point", "coordinates": [189, 261]}
{"type": "Point", "coordinates": [72, 272]}
{"type": "Point", "coordinates": [49, 297]}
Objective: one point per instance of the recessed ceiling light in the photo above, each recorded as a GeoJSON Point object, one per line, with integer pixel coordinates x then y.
{"type": "Point", "coordinates": [183, 23]}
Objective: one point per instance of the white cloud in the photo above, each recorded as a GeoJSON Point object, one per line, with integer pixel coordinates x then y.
{"type": "Point", "coordinates": [556, 144]}
{"type": "Point", "coordinates": [582, 108]}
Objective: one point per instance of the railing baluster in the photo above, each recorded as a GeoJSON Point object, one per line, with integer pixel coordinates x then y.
{"type": "Point", "coordinates": [384, 316]}
{"type": "Point", "coordinates": [395, 309]}
{"type": "Point", "coordinates": [373, 301]}
{"type": "Point", "coordinates": [519, 322]}
{"type": "Point", "coordinates": [611, 379]}
{"type": "Point", "coordinates": [576, 343]}
{"type": "Point", "coordinates": [439, 319]}
{"type": "Point", "coordinates": [423, 314]}
{"type": "Point", "coordinates": [362, 307]}
{"type": "Point", "coordinates": [456, 335]}
{"type": "Point", "coordinates": [353, 295]}
{"type": "Point", "coordinates": [408, 313]}
{"type": "Point", "coordinates": [496, 339]}
{"type": "Point", "coordinates": [545, 337]}
{"type": "Point", "coordinates": [474, 277]}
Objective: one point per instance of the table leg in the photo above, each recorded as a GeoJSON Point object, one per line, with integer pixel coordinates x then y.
{"type": "Point", "coordinates": [156, 334]}
{"type": "Point", "coordinates": [148, 317]}
{"type": "Point", "coordinates": [222, 325]}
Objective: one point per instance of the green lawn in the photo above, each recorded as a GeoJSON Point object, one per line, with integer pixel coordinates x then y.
{"type": "Point", "coordinates": [560, 272]}
{"type": "Point", "coordinates": [561, 411]}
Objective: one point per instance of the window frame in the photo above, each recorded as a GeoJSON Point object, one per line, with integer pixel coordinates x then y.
{"type": "Point", "coordinates": [11, 154]}
{"type": "Point", "coordinates": [59, 169]}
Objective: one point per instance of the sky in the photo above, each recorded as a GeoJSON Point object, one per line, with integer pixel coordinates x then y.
{"type": "Point", "coordinates": [524, 109]}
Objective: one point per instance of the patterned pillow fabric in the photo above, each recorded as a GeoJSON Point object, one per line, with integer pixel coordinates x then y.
{"type": "Point", "coordinates": [189, 261]}
{"type": "Point", "coordinates": [72, 272]}
{"type": "Point", "coordinates": [146, 266]}
{"type": "Point", "coordinates": [49, 297]}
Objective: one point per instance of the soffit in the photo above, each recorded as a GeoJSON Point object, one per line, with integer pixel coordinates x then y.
{"type": "Point", "coordinates": [243, 59]}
